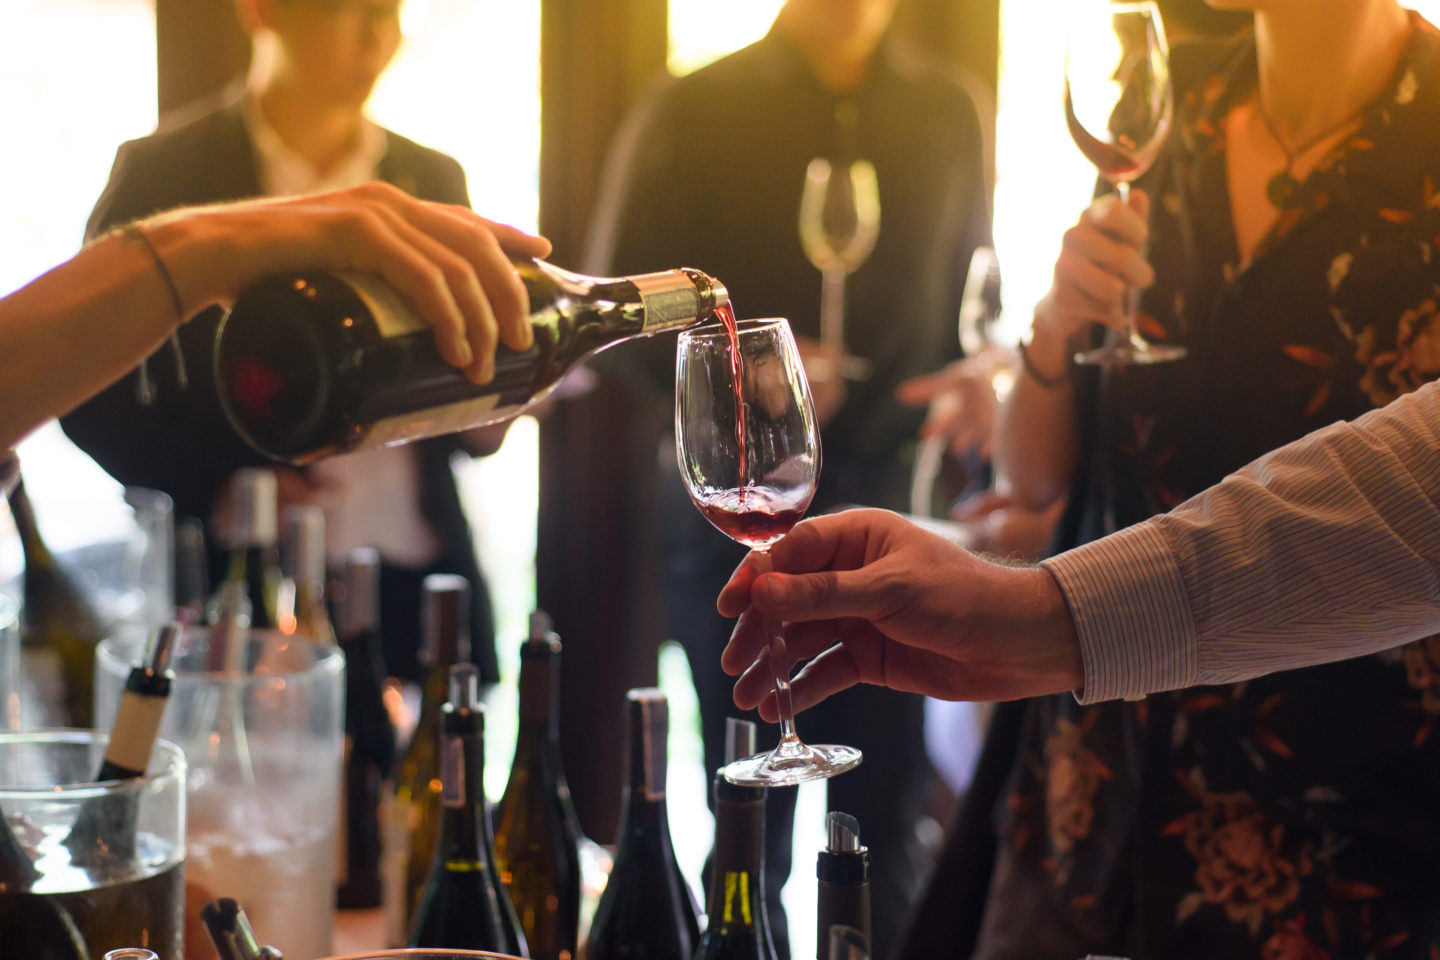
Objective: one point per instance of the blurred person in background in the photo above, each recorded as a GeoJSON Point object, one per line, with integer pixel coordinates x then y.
{"type": "Point", "coordinates": [1291, 250]}
{"type": "Point", "coordinates": [708, 171]}
{"type": "Point", "coordinates": [297, 126]}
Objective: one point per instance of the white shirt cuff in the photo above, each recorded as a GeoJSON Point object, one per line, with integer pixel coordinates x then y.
{"type": "Point", "coordinates": [1131, 613]}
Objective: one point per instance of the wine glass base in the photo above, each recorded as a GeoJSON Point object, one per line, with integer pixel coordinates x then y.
{"type": "Point", "coordinates": [1122, 354]}
{"type": "Point", "coordinates": [811, 762]}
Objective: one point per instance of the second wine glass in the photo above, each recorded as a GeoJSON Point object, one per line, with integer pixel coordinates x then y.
{"type": "Point", "coordinates": [839, 224]}
{"type": "Point", "coordinates": [749, 452]}
{"type": "Point", "coordinates": [1118, 106]}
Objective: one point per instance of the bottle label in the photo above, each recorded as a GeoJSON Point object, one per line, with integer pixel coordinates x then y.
{"type": "Point", "coordinates": [394, 316]}
{"type": "Point", "coordinates": [396, 855]}
{"type": "Point", "coordinates": [669, 299]}
{"type": "Point", "coordinates": [137, 723]}
{"type": "Point", "coordinates": [737, 898]}
{"type": "Point", "coordinates": [450, 418]}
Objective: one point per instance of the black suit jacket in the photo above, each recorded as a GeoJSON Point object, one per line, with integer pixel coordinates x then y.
{"type": "Point", "coordinates": [181, 443]}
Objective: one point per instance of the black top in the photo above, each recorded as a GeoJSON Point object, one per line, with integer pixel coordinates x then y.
{"type": "Point", "coordinates": [708, 173]}
{"type": "Point", "coordinates": [182, 444]}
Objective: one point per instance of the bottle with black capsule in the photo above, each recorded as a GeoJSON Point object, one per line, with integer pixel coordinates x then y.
{"type": "Point", "coordinates": [739, 925]}
{"type": "Point", "coordinates": [323, 363]}
{"type": "Point", "coordinates": [537, 836]}
{"type": "Point", "coordinates": [369, 734]}
{"type": "Point", "coordinates": [465, 906]}
{"type": "Point", "coordinates": [646, 911]}
{"type": "Point", "coordinates": [843, 871]}
{"type": "Point", "coordinates": [231, 933]}
{"type": "Point", "coordinates": [104, 829]}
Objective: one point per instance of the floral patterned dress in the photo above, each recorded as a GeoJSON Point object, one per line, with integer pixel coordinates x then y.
{"type": "Point", "coordinates": [1295, 816]}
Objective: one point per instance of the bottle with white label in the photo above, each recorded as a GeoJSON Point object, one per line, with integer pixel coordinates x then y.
{"type": "Point", "coordinates": [326, 363]}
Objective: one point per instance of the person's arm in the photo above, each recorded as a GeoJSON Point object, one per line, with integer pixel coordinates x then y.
{"type": "Point", "coordinates": [1325, 549]}
{"type": "Point", "coordinates": [85, 323]}
{"type": "Point", "coordinates": [1036, 436]}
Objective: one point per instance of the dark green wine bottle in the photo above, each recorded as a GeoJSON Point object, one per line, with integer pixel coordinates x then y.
{"type": "Point", "coordinates": [57, 614]}
{"type": "Point", "coordinates": [465, 906]}
{"type": "Point", "coordinates": [739, 926]}
{"type": "Point", "coordinates": [646, 911]}
{"type": "Point", "coordinates": [537, 837]}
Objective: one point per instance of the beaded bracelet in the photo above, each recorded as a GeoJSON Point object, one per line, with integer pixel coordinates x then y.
{"type": "Point", "coordinates": [136, 234]}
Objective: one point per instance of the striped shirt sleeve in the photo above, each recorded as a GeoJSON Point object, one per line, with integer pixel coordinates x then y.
{"type": "Point", "coordinates": [1325, 549]}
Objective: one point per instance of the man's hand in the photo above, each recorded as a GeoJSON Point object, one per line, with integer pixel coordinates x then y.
{"type": "Point", "coordinates": [870, 598]}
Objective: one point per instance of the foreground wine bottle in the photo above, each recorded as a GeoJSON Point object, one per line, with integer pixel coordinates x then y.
{"type": "Point", "coordinates": [104, 829]}
{"type": "Point", "coordinates": [57, 614]}
{"type": "Point", "coordinates": [646, 911]}
{"type": "Point", "coordinates": [303, 566]}
{"type": "Point", "coordinates": [415, 814]}
{"type": "Point", "coordinates": [232, 934]}
{"type": "Point", "coordinates": [537, 837]}
{"type": "Point", "coordinates": [369, 734]}
{"type": "Point", "coordinates": [324, 363]}
{"type": "Point", "coordinates": [254, 563]}
{"type": "Point", "coordinates": [465, 906]}
{"type": "Point", "coordinates": [739, 925]}
{"type": "Point", "coordinates": [843, 871]}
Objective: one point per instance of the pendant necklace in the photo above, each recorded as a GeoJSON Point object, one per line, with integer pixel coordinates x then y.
{"type": "Point", "coordinates": [1282, 189]}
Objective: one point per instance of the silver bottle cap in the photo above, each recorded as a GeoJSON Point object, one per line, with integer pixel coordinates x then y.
{"type": "Point", "coordinates": [254, 520]}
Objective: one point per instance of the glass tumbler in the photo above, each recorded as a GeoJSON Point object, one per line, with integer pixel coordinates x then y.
{"type": "Point", "coordinates": [261, 726]}
{"type": "Point", "coordinates": [106, 859]}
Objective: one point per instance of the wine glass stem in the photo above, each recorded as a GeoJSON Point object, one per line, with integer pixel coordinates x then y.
{"type": "Point", "coordinates": [832, 309]}
{"type": "Point", "coordinates": [779, 667]}
{"type": "Point", "coordinates": [1130, 301]}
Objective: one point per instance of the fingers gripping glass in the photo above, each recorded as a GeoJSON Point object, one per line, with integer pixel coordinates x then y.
{"type": "Point", "coordinates": [750, 458]}
{"type": "Point", "coordinates": [1118, 105]}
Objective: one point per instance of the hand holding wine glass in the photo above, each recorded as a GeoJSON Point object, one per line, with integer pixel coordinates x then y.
{"type": "Point", "coordinates": [839, 224]}
{"type": "Point", "coordinates": [1118, 106]}
{"type": "Point", "coordinates": [749, 452]}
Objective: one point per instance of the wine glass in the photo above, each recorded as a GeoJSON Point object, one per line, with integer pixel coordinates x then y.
{"type": "Point", "coordinates": [839, 223]}
{"type": "Point", "coordinates": [1118, 106]}
{"type": "Point", "coordinates": [749, 451]}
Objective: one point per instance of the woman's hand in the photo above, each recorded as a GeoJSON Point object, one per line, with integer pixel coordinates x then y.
{"type": "Point", "coordinates": [1100, 260]}
{"type": "Point", "coordinates": [452, 264]}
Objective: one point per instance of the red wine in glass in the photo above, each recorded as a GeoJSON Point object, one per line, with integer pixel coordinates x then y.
{"type": "Point", "coordinates": [756, 516]}
{"type": "Point", "coordinates": [1118, 162]}
{"type": "Point", "coordinates": [726, 315]}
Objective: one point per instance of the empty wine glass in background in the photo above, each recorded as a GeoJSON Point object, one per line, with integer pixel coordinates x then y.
{"type": "Point", "coordinates": [839, 223]}
{"type": "Point", "coordinates": [749, 454]}
{"type": "Point", "coordinates": [1118, 106]}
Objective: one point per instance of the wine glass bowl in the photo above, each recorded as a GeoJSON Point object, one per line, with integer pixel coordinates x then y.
{"type": "Point", "coordinates": [749, 452]}
{"type": "Point", "coordinates": [750, 460]}
{"type": "Point", "coordinates": [1119, 105]}
{"type": "Point", "coordinates": [839, 224]}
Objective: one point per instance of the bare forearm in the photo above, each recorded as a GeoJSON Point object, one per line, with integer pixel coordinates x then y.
{"type": "Point", "coordinates": [1035, 441]}
{"type": "Point", "coordinates": [77, 329]}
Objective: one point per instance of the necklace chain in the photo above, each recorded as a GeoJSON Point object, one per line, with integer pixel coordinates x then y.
{"type": "Point", "coordinates": [1282, 189]}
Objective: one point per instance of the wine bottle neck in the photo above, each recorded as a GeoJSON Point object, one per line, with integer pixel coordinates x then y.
{"type": "Point", "coordinates": [32, 544]}
{"type": "Point", "coordinates": [257, 568]}
{"type": "Point", "coordinates": [465, 827]}
{"type": "Point", "coordinates": [739, 852]}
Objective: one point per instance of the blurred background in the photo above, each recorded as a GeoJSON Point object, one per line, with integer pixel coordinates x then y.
{"type": "Point", "coordinates": [525, 94]}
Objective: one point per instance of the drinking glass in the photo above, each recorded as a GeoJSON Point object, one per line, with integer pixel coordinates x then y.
{"type": "Point", "coordinates": [839, 223]}
{"type": "Point", "coordinates": [749, 452]}
{"type": "Point", "coordinates": [121, 888]}
{"type": "Point", "coordinates": [1118, 106]}
{"type": "Point", "coordinates": [261, 727]}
